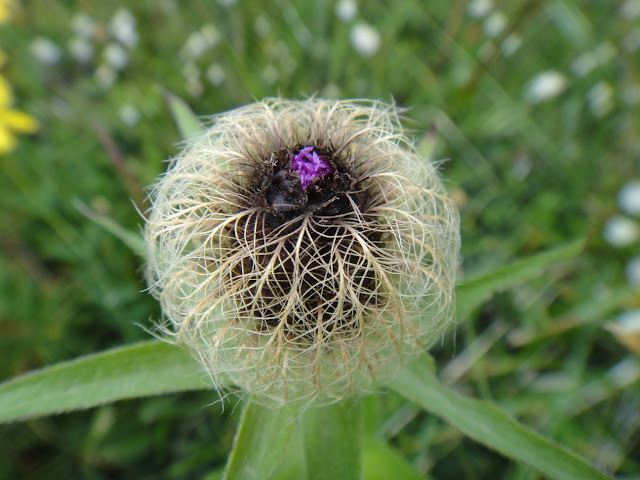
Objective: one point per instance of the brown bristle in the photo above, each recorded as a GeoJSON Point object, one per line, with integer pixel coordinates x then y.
{"type": "Point", "coordinates": [284, 206]}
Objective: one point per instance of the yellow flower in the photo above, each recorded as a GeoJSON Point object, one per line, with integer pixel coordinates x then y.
{"type": "Point", "coordinates": [12, 121]}
{"type": "Point", "coordinates": [7, 9]}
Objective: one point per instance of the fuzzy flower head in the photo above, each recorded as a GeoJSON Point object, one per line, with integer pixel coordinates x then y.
{"type": "Point", "coordinates": [303, 249]}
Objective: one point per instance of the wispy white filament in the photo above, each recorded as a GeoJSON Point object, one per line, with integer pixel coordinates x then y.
{"type": "Point", "coordinates": [311, 307]}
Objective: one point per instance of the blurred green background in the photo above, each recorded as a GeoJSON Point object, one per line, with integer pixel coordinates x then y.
{"type": "Point", "coordinates": [534, 104]}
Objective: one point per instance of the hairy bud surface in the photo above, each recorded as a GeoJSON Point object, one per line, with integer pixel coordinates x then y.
{"type": "Point", "coordinates": [303, 249]}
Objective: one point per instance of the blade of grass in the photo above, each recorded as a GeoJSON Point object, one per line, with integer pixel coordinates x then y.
{"type": "Point", "coordinates": [487, 424]}
{"type": "Point", "coordinates": [138, 370]}
{"type": "Point", "coordinates": [474, 292]}
{"type": "Point", "coordinates": [622, 376]}
{"type": "Point", "coordinates": [595, 309]}
{"type": "Point", "coordinates": [187, 122]}
{"type": "Point", "coordinates": [331, 439]}
{"type": "Point", "coordinates": [133, 240]}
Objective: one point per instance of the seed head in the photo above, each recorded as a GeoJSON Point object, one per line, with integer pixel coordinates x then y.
{"type": "Point", "coordinates": [303, 249]}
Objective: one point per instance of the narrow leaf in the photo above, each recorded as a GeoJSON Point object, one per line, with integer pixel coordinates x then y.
{"type": "Point", "coordinates": [138, 370]}
{"type": "Point", "coordinates": [260, 442]}
{"type": "Point", "coordinates": [487, 424]}
{"type": "Point", "coordinates": [619, 378]}
{"type": "Point", "coordinates": [187, 122]}
{"type": "Point", "coordinates": [594, 309]}
{"type": "Point", "coordinates": [474, 292]}
{"type": "Point", "coordinates": [133, 240]}
{"type": "Point", "coordinates": [331, 439]}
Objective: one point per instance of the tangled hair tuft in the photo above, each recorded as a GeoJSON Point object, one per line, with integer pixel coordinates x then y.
{"type": "Point", "coordinates": [303, 249]}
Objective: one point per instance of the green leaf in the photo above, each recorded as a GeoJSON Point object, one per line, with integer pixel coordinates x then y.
{"type": "Point", "coordinates": [260, 442]}
{"type": "Point", "coordinates": [293, 465]}
{"type": "Point", "coordinates": [474, 292]}
{"type": "Point", "coordinates": [487, 424]}
{"type": "Point", "coordinates": [381, 462]}
{"type": "Point", "coordinates": [331, 439]}
{"type": "Point", "coordinates": [133, 240]}
{"type": "Point", "coordinates": [593, 309]}
{"type": "Point", "coordinates": [138, 370]}
{"type": "Point", "coordinates": [187, 122]}
{"type": "Point", "coordinates": [619, 378]}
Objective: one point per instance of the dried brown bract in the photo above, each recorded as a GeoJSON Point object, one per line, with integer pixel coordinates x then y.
{"type": "Point", "coordinates": [303, 249]}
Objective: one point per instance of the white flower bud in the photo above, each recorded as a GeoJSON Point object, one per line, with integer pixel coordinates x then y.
{"type": "Point", "coordinates": [365, 39]}
{"type": "Point", "coordinates": [621, 231]}
{"type": "Point", "coordinates": [346, 10]}
{"type": "Point", "coordinates": [46, 50]}
{"type": "Point", "coordinates": [545, 86]}
{"type": "Point", "coordinates": [629, 198]}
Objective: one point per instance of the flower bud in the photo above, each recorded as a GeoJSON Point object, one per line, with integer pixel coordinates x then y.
{"type": "Point", "coordinates": [303, 249]}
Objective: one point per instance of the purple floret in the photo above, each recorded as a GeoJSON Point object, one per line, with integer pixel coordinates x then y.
{"type": "Point", "coordinates": [309, 166]}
